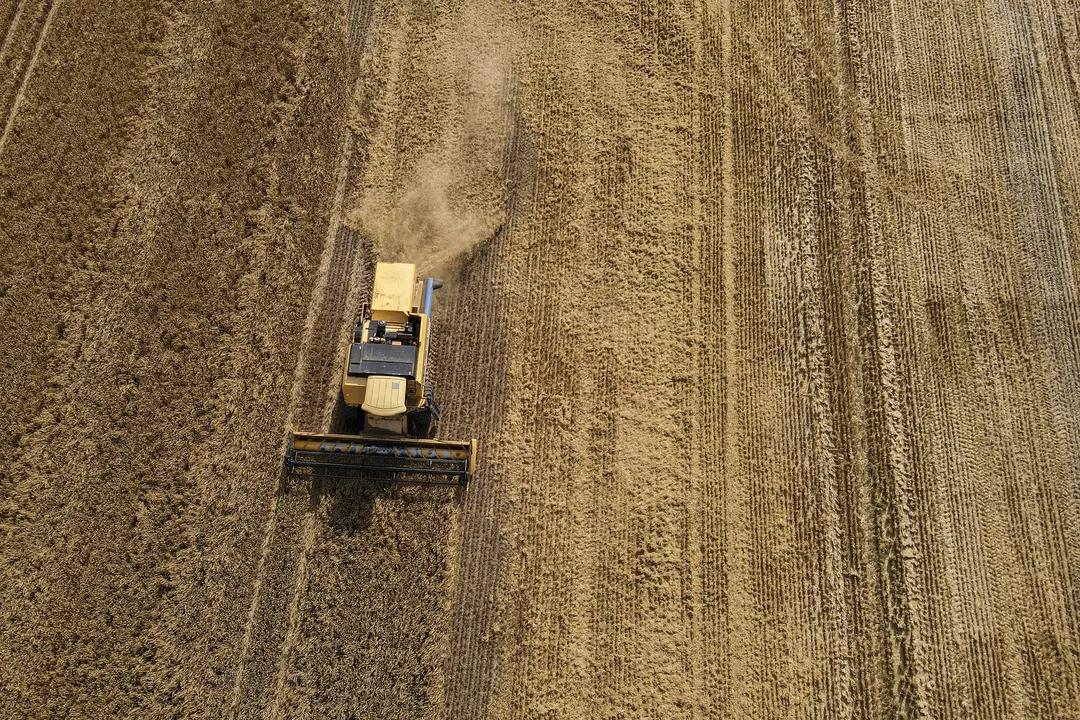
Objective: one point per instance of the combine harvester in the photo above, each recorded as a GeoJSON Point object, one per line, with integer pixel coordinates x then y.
{"type": "Point", "coordinates": [384, 397]}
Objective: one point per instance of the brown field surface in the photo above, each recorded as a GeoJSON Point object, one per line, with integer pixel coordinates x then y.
{"type": "Point", "coordinates": [766, 315]}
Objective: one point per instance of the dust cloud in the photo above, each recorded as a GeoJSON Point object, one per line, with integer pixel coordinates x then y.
{"type": "Point", "coordinates": [429, 223]}
{"type": "Point", "coordinates": [443, 201]}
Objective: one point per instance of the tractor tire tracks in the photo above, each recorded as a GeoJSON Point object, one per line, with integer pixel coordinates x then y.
{"type": "Point", "coordinates": [20, 51]}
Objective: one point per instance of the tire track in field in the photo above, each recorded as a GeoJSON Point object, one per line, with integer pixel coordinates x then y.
{"type": "Point", "coordinates": [660, 458]}
{"type": "Point", "coordinates": [12, 23]}
{"type": "Point", "coordinates": [844, 282]}
{"type": "Point", "coordinates": [897, 528]}
{"type": "Point", "coordinates": [759, 540]}
{"type": "Point", "coordinates": [612, 603]}
{"type": "Point", "coordinates": [819, 619]}
{"type": "Point", "coordinates": [679, 41]}
{"type": "Point", "coordinates": [713, 308]}
{"type": "Point", "coordinates": [13, 96]}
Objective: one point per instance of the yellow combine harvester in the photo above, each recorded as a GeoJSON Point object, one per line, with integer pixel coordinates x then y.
{"type": "Point", "coordinates": [384, 397]}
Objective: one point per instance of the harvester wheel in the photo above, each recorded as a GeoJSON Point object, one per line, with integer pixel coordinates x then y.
{"type": "Point", "coordinates": [420, 424]}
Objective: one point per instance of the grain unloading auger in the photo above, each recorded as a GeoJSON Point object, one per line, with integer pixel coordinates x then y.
{"type": "Point", "coordinates": [385, 409]}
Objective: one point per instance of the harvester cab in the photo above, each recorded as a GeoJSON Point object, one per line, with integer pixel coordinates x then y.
{"type": "Point", "coordinates": [387, 404]}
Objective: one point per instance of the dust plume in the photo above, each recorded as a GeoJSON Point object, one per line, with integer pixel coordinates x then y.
{"type": "Point", "coordinates": [435, 199]}
{"type": "Point", "coordinates": [431, 223]}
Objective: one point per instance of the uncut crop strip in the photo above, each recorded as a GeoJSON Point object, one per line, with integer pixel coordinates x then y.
{"type": "Point", "coordinates": [321, 375]}
{"type": "Point", "coordinates": [21, 49]}
{"type": "Point", "coordinates": [281, 559]}
{"type": "Point", "coordinates": [272, 622]}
